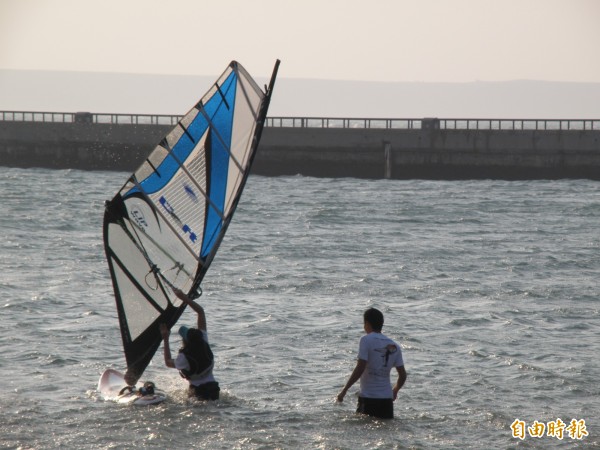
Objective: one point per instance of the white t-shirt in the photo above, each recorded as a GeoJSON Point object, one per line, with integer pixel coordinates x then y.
{"type": "Point", "coordinates": [181, 363]}
{"type": "Point", "coordinates": [382, 355]}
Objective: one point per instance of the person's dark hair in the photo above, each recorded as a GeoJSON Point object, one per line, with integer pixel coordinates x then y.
{"type": "Point", "coordinates": [193, 339]}
{"type": "Point", "coordinates": [197, 352]}
{"type": "Point", "coordinates": [375, 318]}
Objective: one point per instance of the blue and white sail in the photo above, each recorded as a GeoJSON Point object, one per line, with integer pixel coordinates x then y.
{"type": "Point", "coordinates": [163, 228]}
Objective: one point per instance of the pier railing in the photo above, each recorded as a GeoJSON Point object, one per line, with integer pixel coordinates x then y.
{"type": "Point", "coordinates": [316, 122]}
{"type": "Point", "coordinates": [435, 123]}
{"type": "Point", "coordinates": [86, 117]}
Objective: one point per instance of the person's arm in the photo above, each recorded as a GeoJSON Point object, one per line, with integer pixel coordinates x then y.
{"type": "Point", "coordinates": [195, 306]}
{"type": "Point", "coordinates": [401, 379]}
{"type": "Point", "coordinates": [361, 364]}
{"type": "Point", "coordinates": [165, 333]}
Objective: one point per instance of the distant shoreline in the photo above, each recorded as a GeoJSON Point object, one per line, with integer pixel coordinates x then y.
{"type": "Point", "coordinates": [175, 94]}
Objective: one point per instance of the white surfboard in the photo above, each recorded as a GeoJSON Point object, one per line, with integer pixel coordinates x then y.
{"type": "Point", "coordinates": [113, 387]}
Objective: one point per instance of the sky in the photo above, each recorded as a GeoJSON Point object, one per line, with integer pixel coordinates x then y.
{"type": "Point", "coordinates": [374, 40]}
{"type": "Point", "coordinates": [375, 58]}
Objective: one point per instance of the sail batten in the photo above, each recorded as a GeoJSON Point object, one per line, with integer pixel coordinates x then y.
{"type": "Point", "coordinates": [163, 227]}
{"type": "Point", "coordinates": [221, 140]}
{"type": "Point", "coordinates": [200, 189]}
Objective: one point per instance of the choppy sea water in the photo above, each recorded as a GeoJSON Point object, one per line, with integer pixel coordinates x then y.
{"type": "Point", "coordinates": [491, 287]}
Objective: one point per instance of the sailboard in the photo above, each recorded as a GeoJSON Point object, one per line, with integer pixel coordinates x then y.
{"type": "Point", "coordinates": [163, 228]}
{"type": "Point", "coordinates": [113, 387]}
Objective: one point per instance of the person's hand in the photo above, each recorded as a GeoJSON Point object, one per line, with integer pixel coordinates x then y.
{"type": "Point", "coordinates": [180, 294]}
{"type": "Point", "coordinates": [165, 332]}
{"type": "Point", "coordinates": [341, 395]}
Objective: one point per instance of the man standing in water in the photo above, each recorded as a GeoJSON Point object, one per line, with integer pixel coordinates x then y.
{"type": "Point", "coordinates": [377, 355]}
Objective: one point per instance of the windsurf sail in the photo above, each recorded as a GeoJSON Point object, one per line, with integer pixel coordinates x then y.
{"type": "Point", "coordinates": [164, 226]}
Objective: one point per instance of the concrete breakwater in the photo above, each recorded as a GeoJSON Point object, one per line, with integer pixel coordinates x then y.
{"type": "Point", "coordinates": [324, 147]}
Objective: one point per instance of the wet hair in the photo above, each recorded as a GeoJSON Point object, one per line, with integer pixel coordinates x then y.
{"type": "Point", "coordinates": [375, 318]}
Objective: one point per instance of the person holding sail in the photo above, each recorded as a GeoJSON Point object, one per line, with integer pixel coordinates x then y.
{"type": "Point", "coordinates": [195, 359]}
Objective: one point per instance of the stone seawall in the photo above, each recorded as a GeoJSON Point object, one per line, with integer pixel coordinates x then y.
{"type": "Point", "coordinates": [325, 152]}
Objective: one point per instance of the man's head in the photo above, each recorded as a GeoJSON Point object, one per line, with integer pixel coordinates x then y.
{"type": "Point", "coordinates": [374, 317]}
